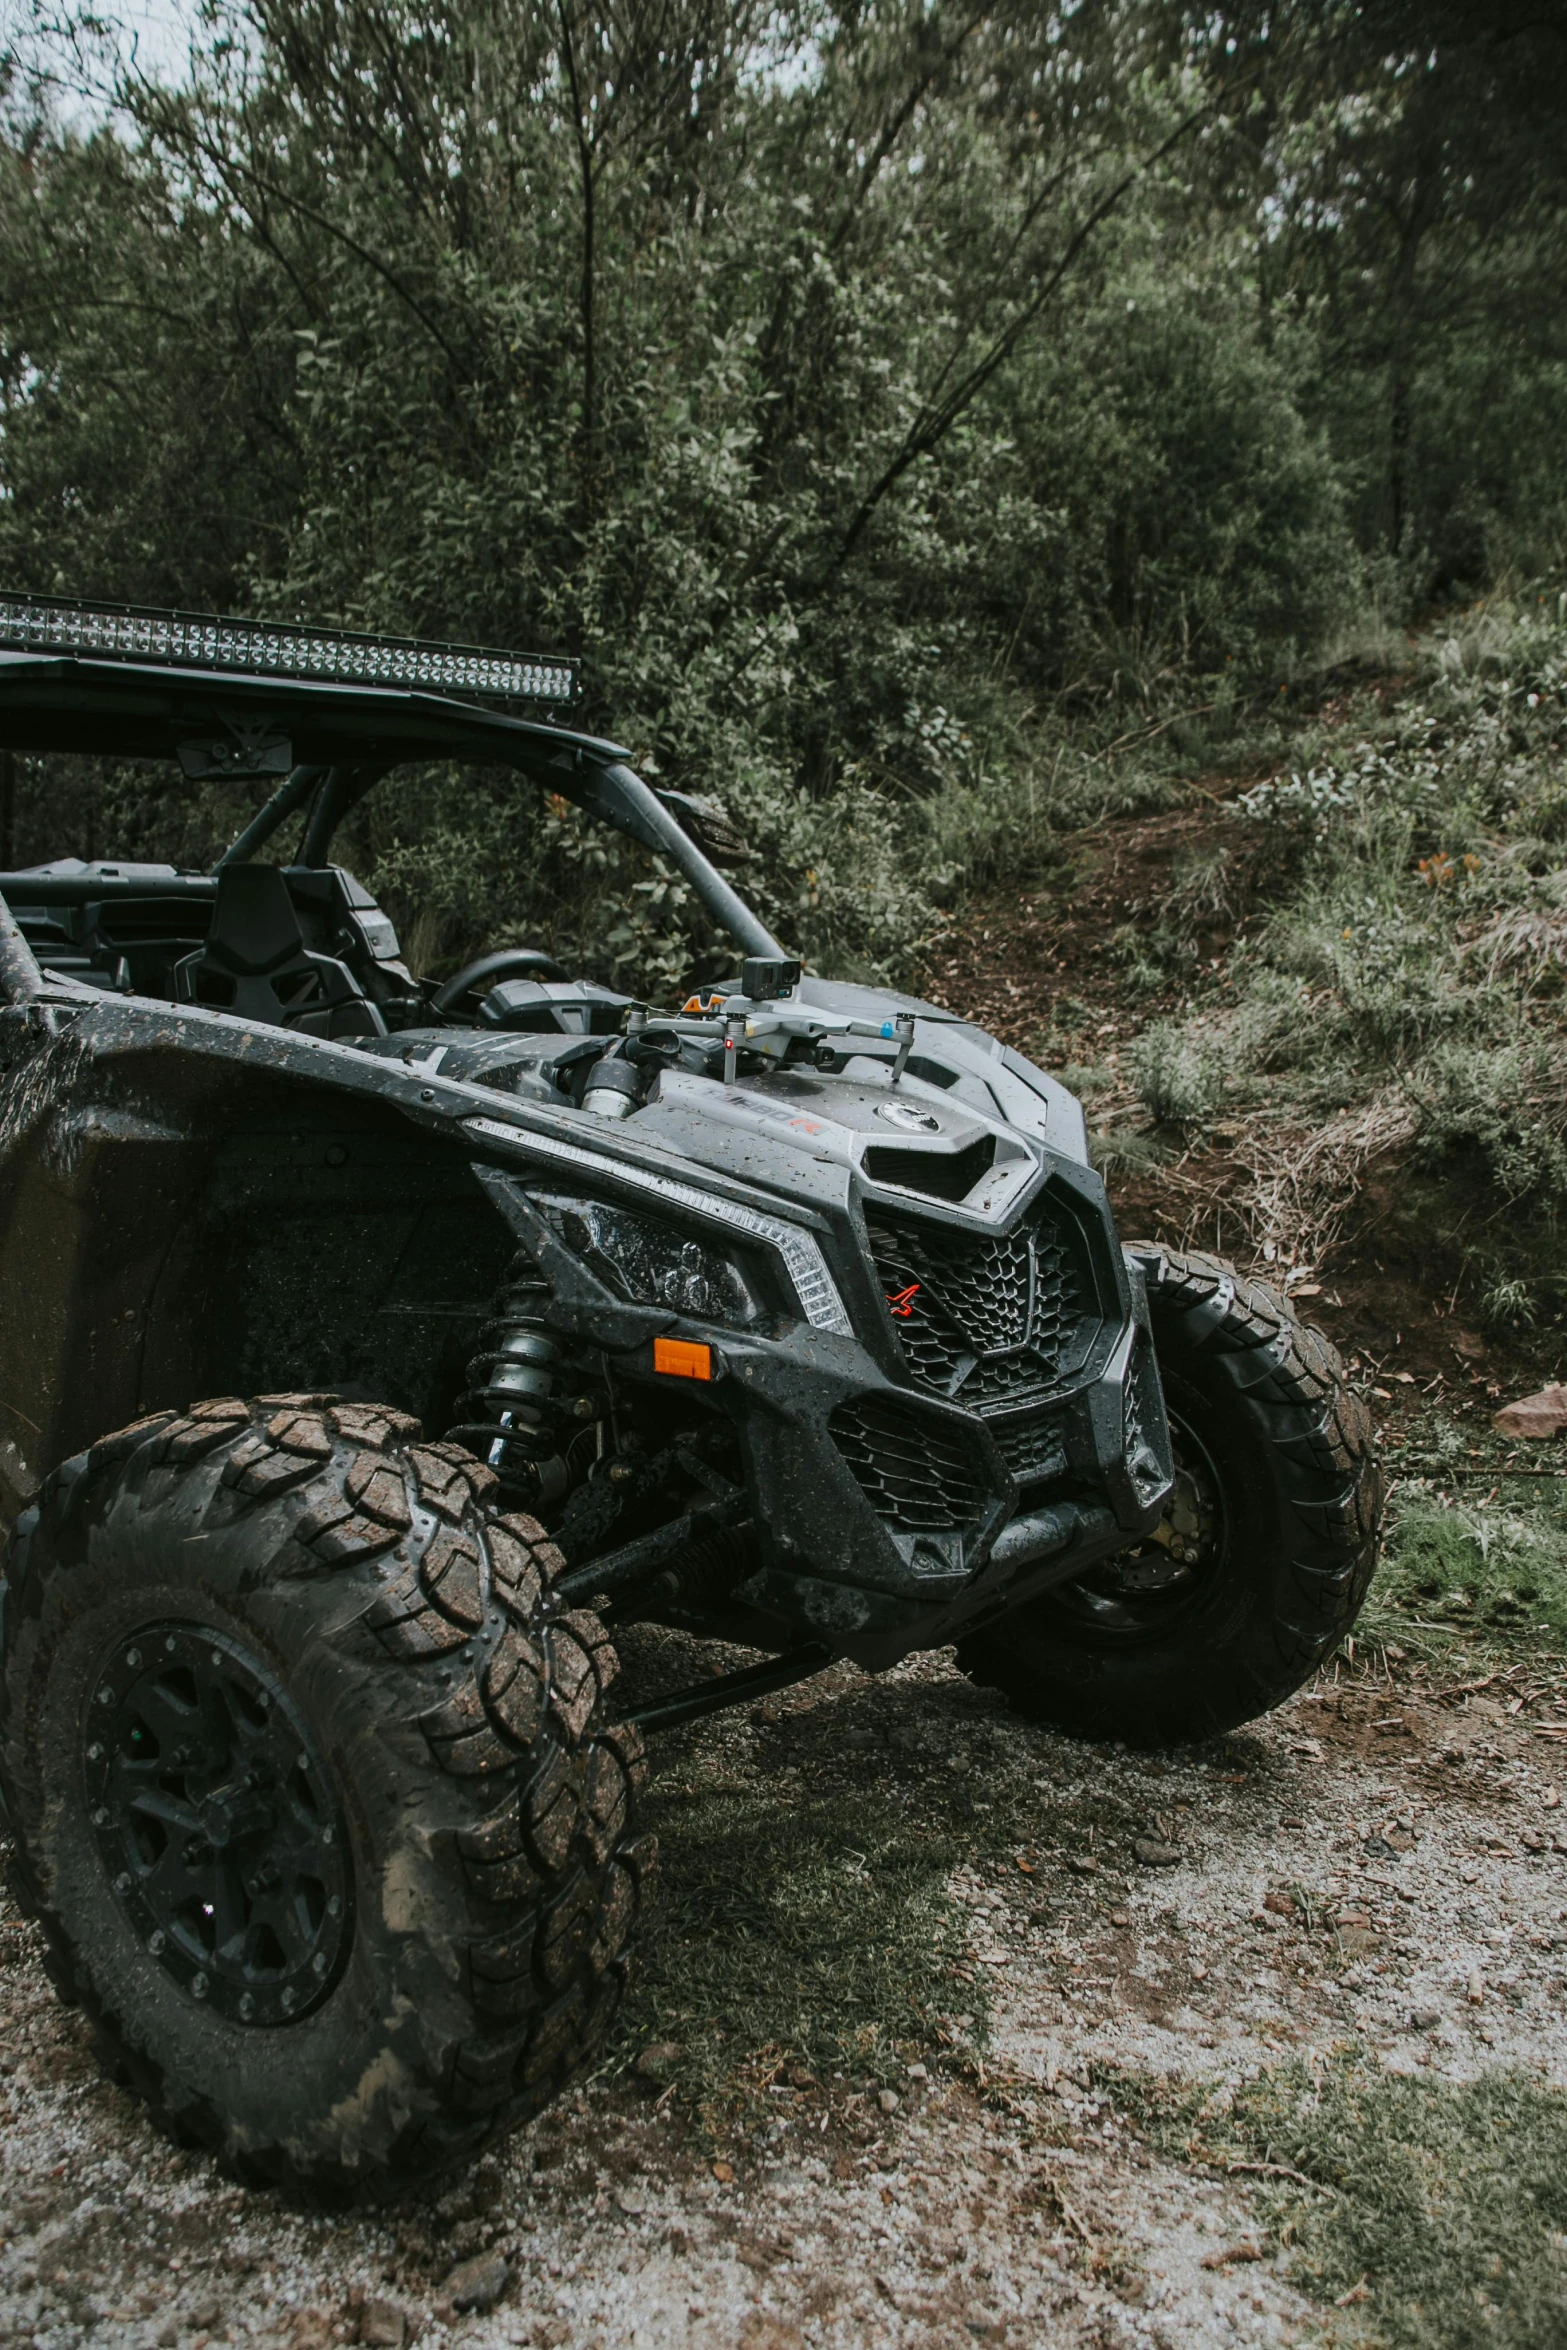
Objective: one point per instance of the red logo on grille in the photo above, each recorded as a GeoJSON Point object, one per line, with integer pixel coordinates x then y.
{"type": "Point", "coordinates": [903, 1303]}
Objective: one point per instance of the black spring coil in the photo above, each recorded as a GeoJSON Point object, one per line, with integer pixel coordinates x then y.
{"type": "Point", "coordinates": [510, 1413]}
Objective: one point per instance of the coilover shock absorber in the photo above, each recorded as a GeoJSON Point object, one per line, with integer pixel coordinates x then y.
{"type": "Point", "coordinates": [513, 1412]}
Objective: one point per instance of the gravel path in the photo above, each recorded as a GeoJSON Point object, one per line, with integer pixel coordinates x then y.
{"type": "Point", "coordinates": [1365, 1864]}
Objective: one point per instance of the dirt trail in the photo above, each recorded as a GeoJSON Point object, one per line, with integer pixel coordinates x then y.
{"type": "Point", "coordinates": [1365, 1863]}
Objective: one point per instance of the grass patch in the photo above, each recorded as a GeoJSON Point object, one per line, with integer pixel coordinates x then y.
{"type": "Point", "coordinates": [1449, 2202]}
{"type": "Point", "coordinates": [1446, 2203]}
{"type": "Point", "coordinates": [815, 1932]}
{"type": "Point", "coordinates": [1474, 1561]}
{"type": "Point", "coordinates": [1491, 1574]}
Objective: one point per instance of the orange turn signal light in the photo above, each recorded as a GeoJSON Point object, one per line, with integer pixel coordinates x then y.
{"type": "Point", "coordinates": [682, 1358]}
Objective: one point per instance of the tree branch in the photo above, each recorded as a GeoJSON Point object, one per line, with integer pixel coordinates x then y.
{"type": "Point", "coordinates": [232, 169]}
{"type": "Point", "coordinates": [587, 296]}
{"type": "Point", "coordinates": [933, 425]}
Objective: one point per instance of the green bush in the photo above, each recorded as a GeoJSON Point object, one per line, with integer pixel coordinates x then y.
{"type": "Point", "coordinates": [1177, 1073]}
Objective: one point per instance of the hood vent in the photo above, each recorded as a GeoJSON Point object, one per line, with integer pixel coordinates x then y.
{"type": "Point", "coordinates": [948, 1175]}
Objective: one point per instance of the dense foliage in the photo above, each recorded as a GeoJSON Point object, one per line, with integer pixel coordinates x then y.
{"type": "Point", "coordinates": [881, 399]}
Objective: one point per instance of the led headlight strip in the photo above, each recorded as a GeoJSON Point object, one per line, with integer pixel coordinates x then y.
{"type": "Point", "coordinates": [123, 632]}
{"type": "Point", "coordinates": [807, 1267]}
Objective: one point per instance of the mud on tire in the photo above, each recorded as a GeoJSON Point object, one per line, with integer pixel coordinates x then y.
{"type": "Point", "coordinates": [493, 1873]}
{"type": "Point", "coordinates": [1271, 1433]}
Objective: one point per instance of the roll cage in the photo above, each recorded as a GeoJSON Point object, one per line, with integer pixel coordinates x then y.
{"type": "Point", "coordinates": [110, 681]}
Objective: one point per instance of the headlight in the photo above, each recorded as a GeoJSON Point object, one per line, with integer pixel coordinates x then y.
{"type": "Point", "coordinates": [653, 1264]}
{"type": "Point", "coordinates": [800, 1252]}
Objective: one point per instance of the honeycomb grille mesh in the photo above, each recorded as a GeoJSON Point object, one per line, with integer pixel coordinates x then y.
{"type": "Point", "coordinates": [1032, 1448]}
{"type": "Point", "coordinates": [915, 1473]}
{"type": "Point", "coordinates": [988, 1319]}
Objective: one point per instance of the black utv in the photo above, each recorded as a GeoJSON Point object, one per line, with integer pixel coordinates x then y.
{"type": "Point", "coordinates": [370, 1350]}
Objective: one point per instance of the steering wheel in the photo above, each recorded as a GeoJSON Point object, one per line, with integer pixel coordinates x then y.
{"type": "Point", "coordinates": [505, 962]}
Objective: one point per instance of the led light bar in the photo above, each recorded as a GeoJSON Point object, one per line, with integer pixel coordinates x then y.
{"type": "Point", "coordinates": [256, 648]}
{"type": "Point", "coordinates": [806, 1266]}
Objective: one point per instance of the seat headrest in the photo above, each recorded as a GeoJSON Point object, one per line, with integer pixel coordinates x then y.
{"type": "Point", "coordinates": [254, 924]}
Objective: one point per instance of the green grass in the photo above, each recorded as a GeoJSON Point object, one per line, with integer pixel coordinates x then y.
{"type": "Point", "coordinates": [1487, 1576]}
{"type": "Point", "coordinates": [1398, 894]}
{"type": "Point", "coordinates": [1431, 2216]}
{"type": "Point", "coordinates": [812, 1920]}
{"type": "Point", "coordinates": [811, 1931]}
{"type": "Point", "coordinates": [1449, 2202]}
{"type": "Point", "coordinates": [1474, 1561]}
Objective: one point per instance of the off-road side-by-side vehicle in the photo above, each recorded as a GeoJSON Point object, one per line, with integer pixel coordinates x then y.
{"type": "Point", "coordinates": [371, 1349]}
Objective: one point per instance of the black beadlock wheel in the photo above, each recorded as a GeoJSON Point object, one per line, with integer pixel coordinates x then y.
{"type": "Point", "coordinates": [1264, 1554]}
{"type": "Point", "coordinates": [314, 1790]}
{"type": "Point", "coordinates": [218, 1823]}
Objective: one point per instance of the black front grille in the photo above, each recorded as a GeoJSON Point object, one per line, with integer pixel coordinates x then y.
{"type": "Point", "coordinates": [987, 1319]}
{"type": "Point", "coordinates": [1032, 1449]}
{"type": "Point", "coordinates": [915, 1473]}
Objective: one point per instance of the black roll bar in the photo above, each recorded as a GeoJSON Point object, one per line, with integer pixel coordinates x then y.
{"type": "Point", "coordinates": [131, 708]}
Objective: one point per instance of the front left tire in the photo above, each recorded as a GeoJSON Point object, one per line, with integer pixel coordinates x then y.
{"type": "Point", "coordinates": [315, 1791]}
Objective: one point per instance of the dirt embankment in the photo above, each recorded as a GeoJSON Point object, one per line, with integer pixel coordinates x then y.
{"type": "Point", "coordinates": [1057, 970]}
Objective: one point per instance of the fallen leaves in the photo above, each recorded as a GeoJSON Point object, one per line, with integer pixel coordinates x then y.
{"type": "Point", "coordinates": [659, 2059]}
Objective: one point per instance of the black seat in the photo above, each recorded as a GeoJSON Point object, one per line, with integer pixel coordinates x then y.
{"type": "Point", "coordinates": [256, 963]}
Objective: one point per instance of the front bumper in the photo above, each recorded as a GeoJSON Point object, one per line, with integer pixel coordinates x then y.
{"type": "Point", "coordinates": [890, 1517]}
{"type": "Point", "coordinates": [892, 1522]}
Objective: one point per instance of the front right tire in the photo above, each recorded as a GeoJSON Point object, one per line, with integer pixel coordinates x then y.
{"type": "Point", "coordinates": [1265, 1552]}
{"type": "Point", "coordinates": [315, 1791]}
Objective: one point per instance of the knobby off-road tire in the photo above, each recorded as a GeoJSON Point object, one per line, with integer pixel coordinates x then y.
{"type": "Point", "coordinates": [325, 1596]}
{"type": "Point", "coordinates": [1274, 1526]}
